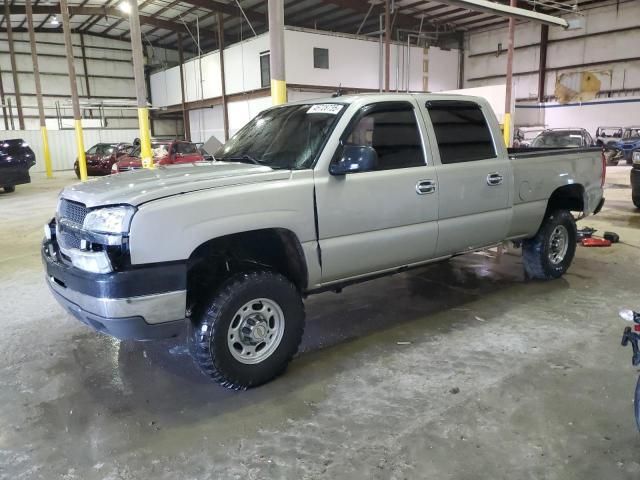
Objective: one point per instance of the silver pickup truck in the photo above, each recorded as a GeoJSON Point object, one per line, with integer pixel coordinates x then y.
{"type": "Point", "coordinates": [307, 197]}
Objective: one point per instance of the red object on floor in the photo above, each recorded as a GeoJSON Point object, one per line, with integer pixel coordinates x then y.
{"type": "Point", "coordinates": [595, 242]}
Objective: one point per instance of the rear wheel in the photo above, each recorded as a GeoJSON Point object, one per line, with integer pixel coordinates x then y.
{"type": "Point", "coordinates": [636, 201]}
{"type": "Point", "coordinates": [549, 254]}
{"type": "Point", "coordinates": [10, 189]}
{"type": "Point", "coordinates": [248, 331]}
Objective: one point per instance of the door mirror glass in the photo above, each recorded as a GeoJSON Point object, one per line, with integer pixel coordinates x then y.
{"type": "Point", "coordinates": [354, 158]}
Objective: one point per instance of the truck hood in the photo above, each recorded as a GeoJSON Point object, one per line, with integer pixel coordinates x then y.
{"type": "Point", "coordinates": [141, 186]}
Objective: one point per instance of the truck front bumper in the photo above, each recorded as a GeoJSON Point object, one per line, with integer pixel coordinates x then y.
{"type": "Point", "coordinates": [144, 303]}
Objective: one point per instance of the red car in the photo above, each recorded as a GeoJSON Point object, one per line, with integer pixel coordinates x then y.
{"type": "Point", "coordinates": [169, 152]}
{"type": "Point", "coordinates": [102, 156]}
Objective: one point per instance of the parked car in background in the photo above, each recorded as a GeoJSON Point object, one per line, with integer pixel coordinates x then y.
{"type": "Point", "coordinates": [165, 152]}
{"type": "Point", "coordinates": [607, 135]}
{"type": "Point", "coordinates": [16, 158]}
{"type": "Point", "coordinates": [523, 136]}
{"type": "Point", "coordinates": [635, 179]}
{"type": "Point", "coordinates": [624, 148]}
{"type": "Point", "coordinates": [563, 138]}
{"type": "Point", "coordinates": [101, 157]}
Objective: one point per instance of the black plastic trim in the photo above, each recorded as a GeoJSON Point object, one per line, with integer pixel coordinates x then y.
{"type": "Point", "coordinates": [136, 281]}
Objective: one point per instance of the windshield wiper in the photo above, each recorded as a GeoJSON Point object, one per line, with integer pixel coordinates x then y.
{"type": "Point", "coordinates": [241, 158]}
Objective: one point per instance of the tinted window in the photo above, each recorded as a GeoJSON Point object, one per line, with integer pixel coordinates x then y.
{"type": "Point", "coordinates": [320, 58]}
{"type": "Point", "coordinates": [265, 70]}
{"type": "Point", "coordinates": [393, 132]}
{"type": "Point", "coordinates": [186, 148]}
{"type": "Point", "coordinates": [461, 130]}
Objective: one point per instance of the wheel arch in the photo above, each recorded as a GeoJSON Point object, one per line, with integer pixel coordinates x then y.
{"type": "Point", "coordinates": [278, 249]}
{"type": "Point", "coordinates": [570, 197]}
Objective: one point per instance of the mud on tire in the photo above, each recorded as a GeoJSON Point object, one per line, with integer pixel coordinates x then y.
{"type": "Point", "coordinates": [549, 254]}
{"type": "Point", "coordinates": [246, 333]}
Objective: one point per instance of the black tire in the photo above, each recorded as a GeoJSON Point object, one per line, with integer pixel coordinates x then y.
{"type": "Point", "coordinates": [210, 345]}
{"type": "Point", "coordinates": [636, 201]}
{"type": "Point", "coordinates": [537, 251]}
{"type": "Point", "coordinates": [636, 403]}
{"type": "Point", "coordinates": [10, 189]}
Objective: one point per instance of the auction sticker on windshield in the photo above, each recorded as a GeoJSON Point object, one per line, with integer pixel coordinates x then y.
{"type": "Point", "coordinates": [330, 108]}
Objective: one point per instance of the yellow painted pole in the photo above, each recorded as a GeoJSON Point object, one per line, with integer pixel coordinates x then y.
{"type": "Point", "coordinates": [47, 153]}
{"type": "Point", "coordinates": [506, 131]}
{"type": "Point", "coordinates": [278, 92]}
{"type": "Point", "coordinates": [145, 138]}
{"type": "Point", "coordinates": [275, 10]}
{"type": "Point", "coordinates": [141, 88]}
{"type": "Point", "coordinates": [82, 159]}
{"type": "Point", "coordinates": [36, 75]}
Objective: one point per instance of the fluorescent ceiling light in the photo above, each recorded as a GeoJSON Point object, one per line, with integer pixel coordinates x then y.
{"type": "Point", "coordinates": [125, 7]}
{"type": "Point", "coordinates": [507, 11]}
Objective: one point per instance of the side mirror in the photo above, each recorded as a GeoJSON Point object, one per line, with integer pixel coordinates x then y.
{"type": "Point", "coordinates": [354, 159]}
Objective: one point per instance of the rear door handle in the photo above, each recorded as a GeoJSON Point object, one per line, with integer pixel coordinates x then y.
{"type": "Point", "coordinates": [494, 179]}
{"type": "Point", "coordinates": [424, 187]}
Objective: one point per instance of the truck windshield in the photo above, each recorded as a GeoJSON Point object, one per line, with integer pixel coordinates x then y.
{"type": "Point", "coordinates": [287, 137]}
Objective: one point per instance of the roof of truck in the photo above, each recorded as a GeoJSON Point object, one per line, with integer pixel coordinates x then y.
{"type": "Point", "coordinates": [377, 96]}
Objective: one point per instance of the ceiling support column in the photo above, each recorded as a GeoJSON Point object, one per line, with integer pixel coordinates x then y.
{"type": "Point", "coordinates": [186, 124]}
{"type": "Point", "coordinates": [36, 75]}
{"type": "Point", "coordinates": [276, 52]}
{"type": "Point", "coordinates": [225, 111]}
{"type": "Point", "coordinates": [82, 160]}
{"type": "Point", "coordinates": [509, 92]}
{"type": "Point", "coordinates": [141, 87]}
{"type": "Point", "coordinates": [542, 68]}
{"type": "Point", "coordinates": [14, 68]}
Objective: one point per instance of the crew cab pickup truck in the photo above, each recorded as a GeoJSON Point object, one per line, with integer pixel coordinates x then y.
{"type": "Point", "coordinates": [307, 197]}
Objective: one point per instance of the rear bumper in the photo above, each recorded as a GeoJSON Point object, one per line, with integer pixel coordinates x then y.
{"type": "Point", "coordinates": [10, 177]}
{"type": "Point", "coordinates": [140, 304]}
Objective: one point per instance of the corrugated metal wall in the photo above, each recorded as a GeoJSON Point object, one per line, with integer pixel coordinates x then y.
{"type": "Point", "coordinates": [62, 144]}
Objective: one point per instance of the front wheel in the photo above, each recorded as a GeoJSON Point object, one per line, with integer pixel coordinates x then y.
{"type": "Point", "coordinates": [10, 189]}
{"type": "Point", "coordinates": [549, 254]}
{"type": "Point", "coordinates": [249, 330]}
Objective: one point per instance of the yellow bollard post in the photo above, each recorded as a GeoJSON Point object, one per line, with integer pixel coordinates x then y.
{"type": "Point", "coordinates": [145, 138]}
{"type": "Point", "coordinates": [278, 92]}
{"type": "Point", "coordinates": [507, 129]}
{"type": "Point", "coordinates": [47, 153]}
{"type": "Point", "coordinates": [82, 159]}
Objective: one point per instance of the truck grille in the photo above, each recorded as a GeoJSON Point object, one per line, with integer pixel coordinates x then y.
{"type": "Point", "coordinates": [72, 211]}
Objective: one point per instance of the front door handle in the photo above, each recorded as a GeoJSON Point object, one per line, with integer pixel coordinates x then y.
{"type": "Point", "coordinates": [424, 187]}
{"type": "Point", "coordinates": [494, 179]}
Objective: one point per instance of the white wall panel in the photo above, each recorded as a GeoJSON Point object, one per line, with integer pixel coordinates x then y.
{"type": "Point", "coordinates": [590, 115]}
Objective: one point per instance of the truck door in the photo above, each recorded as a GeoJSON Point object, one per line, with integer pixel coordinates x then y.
{"type": "Point", "coordinates": [386, 217]}
{"type": "Point", "coordinates": [475, 178]}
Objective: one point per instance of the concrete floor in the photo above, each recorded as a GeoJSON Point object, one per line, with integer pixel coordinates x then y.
{"type": "Point", "coordinates": [502, 379]}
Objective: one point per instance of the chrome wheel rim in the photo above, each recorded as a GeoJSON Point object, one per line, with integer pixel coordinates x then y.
{"type": "Point", "coordinates": [255, 331]}
{"type": "Point", "coordinates": [558, 244]}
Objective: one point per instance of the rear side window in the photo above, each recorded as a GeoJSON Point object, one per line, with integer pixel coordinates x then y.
{"type": "Point", "coordinates": [185, 148]}
{"type": "Point", "coordinates": [393, 132]}
{"type": "Point", "coordinates": [461, 130]}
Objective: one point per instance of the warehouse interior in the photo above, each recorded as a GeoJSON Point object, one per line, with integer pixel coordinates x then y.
{"type": "Point", "coordinates": [462, 366]}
